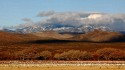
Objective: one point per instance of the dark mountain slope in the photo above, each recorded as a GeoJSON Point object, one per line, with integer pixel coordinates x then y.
{"type": "Point", "coordinates": [100, 36]}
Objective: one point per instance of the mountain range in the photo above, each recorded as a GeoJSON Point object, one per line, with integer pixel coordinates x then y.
{"type": "Point", "coordinates": [57, 28]}
{"type": "Point", "coordinates": [93, 36]}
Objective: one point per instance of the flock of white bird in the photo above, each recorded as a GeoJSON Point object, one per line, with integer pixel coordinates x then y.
{"type": "Point", "coordinates": [61, 63]}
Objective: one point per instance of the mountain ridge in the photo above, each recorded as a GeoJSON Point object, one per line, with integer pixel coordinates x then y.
{"type": "Point", "coordinates": [100, 36]}
{"type": "Point", "coordinates": [93, 36]}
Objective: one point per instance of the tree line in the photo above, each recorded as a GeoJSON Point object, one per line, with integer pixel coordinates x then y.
{"type": "Point", "coordinates": [100, 54]}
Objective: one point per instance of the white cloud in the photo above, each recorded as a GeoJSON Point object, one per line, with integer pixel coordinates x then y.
{"type": "Point", "coordinates": [27, 22]}
{"type": "Point", "coordinates": [114, 21]}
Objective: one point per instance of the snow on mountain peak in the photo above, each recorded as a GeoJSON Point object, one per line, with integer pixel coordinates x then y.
{"type": "Point", "coordinates": [95, 16]}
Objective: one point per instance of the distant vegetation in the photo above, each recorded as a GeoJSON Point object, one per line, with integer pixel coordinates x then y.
{"type": "Point", "coordinates": [100, 54]}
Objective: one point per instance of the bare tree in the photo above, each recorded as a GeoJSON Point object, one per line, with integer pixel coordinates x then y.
{"type": "Point", "coordinates": [69, 55]}
{"type": "Point", "coordinates": [44, 55]}
{"type": "Point", "coordinates": [105, 53]}
{"type": "Point", "coordinates": [86, 55]}
{"type": "Point", "coordinates": [57, 56]}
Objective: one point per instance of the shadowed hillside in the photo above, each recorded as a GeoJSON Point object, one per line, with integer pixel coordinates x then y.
{"type": "Point", "coordinates": [100, 36]}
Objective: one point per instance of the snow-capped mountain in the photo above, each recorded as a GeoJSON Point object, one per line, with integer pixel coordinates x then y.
{"type": "Point", "coordinates": [1, 28]}
{"type": "Point", "coordinates": [58, 28]}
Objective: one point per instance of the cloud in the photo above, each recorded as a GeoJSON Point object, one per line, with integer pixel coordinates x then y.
{"type": "Point", "coordinates": [113, 21]}
{"type": "Point", "coordinates": [46, 13]}
{"type": "Point", "coordinates": [67, 18]}
{"type": "Point", "coordinates": [27, 23]}
{"type": "Point", "coordinates": [70, 18]}
{"type": "Point", "coordinates": [27, 20]}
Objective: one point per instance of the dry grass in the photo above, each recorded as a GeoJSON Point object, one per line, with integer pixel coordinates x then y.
{"type": "Point", "coordinates": [87, 46]}
{"type": "Point", "coordinates": [52, 35]}
{"type": "Point", "coordinates": [63, 68]}
{"type": "Point", "coordinates": [62, 65]}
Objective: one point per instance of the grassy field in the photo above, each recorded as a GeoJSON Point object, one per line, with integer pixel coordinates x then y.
{"type": "Point", "coordinates": [62, 65]}
{"type": "Point", "coordinates": [63, 68]}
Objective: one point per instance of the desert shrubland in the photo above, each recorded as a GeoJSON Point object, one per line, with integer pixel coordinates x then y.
{"type": "Point", "coordinates": [100, 54]}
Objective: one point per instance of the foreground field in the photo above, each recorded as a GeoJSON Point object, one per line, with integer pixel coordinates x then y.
{"type": "Point", "coordinates": [64, 68]}
{"type": "Point", "coordinates": [62, 65]}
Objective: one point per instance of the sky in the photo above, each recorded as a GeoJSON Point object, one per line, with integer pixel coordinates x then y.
{"type": "Point", "coordinates": [13, 11]}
